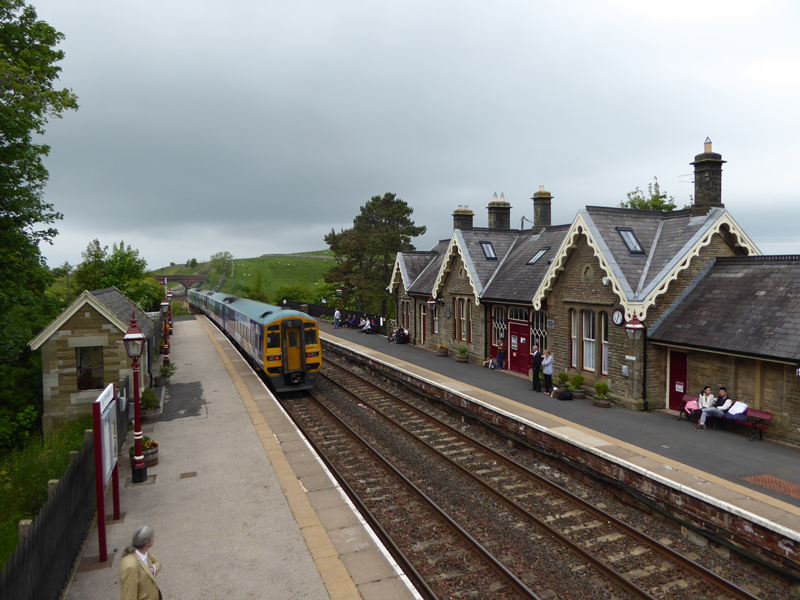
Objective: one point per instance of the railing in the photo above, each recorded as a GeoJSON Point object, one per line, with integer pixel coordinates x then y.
{"type": "Point", "coordinates": [320, 310]}
{"type": "Point", "coordinates": [41, 565]}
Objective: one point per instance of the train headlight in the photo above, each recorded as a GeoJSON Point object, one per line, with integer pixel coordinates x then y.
{"type": "Point", "coordinates": [311, 354]}
{"type": "Point", "coordinates": [273, 358]}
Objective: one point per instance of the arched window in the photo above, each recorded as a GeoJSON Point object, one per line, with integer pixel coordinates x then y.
{"type": "Point", "coordinates": [589, 341]}
{"type": "Point", "coordinates": [498, 324]}
{"type": "Point", "coordinates": [539, 329]}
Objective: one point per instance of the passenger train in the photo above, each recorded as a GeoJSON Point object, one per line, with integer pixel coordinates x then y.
{"type": "Point", "coordinates": [282, 343]}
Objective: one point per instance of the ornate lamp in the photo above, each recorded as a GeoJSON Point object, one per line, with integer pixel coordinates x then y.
{"type": "Point", "coordinates": [165, 314]}
{"type": "Point", "coordinates": [134, 343]}
{"type": "Point", "coordinates": [634, 329]}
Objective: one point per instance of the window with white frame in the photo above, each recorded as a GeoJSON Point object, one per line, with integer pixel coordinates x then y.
{"type": "Point", "coordinates": [573, 334]}
{"type": "Point", "coordinates": [423, 322]}
{"type": "Point", "coordinates": [498, 324]}
{"type": "Point", "coordinates": [589, 341]}
{"type": "Point", "coordinates": [539, 329]}
{"type": "Point", "coordinates": [518, 314]}
{"type": "Point", "coordinates": [604, 339]}
{"type": "Point", "coordinates": [435, 311]}
{"type": "Point", "coordinates": [537, 256]}
{"type": "Point", "coordinates": [462, 318]}
{"type": "Point", "coordinates": [488, 251]}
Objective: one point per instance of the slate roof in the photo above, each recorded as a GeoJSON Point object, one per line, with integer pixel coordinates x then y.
{"type": "Point", "coordinates": [742, 305]}
{"type": "Point", "coordinates": [423, 284]}
{"type": "Point", "coordinates": [121, 307]}
{"type": "Point", "coordinates": [517, 281]}
{"type": "Point", "coordinates": [665, 237]}
{"type": "Point", "coordinates": [482, 268]}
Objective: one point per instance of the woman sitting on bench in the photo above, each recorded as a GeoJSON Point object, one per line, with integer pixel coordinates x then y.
{"type": "Point", "coordinates": [720, 408]}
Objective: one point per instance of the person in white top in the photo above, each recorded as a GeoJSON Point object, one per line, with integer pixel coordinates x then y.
{"type": "Point", "coordinates": [706, 399]}
{"type": "Point", "coordinates": [720, 408]}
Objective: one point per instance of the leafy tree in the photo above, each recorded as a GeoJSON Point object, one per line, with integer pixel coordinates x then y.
{"type": "Point", "coordinates": [295, 293]}
{"type": "Point", "coordinates": [654, 200]}
{"type": "Point", "coordinates": [123, 269]}
{"type": "Point", "coordinates": [257, 290]}
{"type": "Point", "coordinates": [365, 252]}
{"type": "Point", "coordinates": [28, 99]}
{"type": "Point", "coordinates": [219, 260]}
{"type": "Point", "coordinates": [191, 263]}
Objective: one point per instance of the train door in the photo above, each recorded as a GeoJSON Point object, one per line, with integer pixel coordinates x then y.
{"type": "Point", "coordinates": [677, 378]}
{"type": "Point", "coordinates": [293, 345]}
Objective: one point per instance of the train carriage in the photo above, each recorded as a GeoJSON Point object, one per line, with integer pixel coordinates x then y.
{"type": "Point", "coordinates": [283, 344]}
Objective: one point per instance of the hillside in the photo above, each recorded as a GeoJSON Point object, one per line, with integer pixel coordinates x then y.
{"type": "Point", "coordinates": [276, 270]}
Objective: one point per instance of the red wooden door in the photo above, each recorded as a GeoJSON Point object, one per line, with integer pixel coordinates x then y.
{"type": "Point", "coordinates": [519, 347]}
{"type": "Point", "coordinates": [677, 379]}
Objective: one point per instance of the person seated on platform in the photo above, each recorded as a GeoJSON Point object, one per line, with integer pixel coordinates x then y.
{"type": "Point", "coordinates": [706, 399]}
{"type": "Point", "coordinates": [720, 408]}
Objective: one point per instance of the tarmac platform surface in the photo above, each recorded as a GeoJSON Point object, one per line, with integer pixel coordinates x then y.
{"type": "Point", "coordinates": [243, 509]}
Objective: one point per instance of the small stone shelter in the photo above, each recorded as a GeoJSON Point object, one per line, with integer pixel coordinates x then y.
{"type": "Point", "coordinates": [82, 352]}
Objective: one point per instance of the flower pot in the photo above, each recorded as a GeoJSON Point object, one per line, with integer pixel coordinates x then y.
{"type": "Point", "coordinates": [161, 381]}
{"type": "Point", "coordinates": [601, 402]}
{"type": "Point", "coordinates": [150, 456]}
{"type": "Point", "coordinates": [462, 358]}
{"type": "Point", "coordinates": [441, 351]}
{"type": "Point", "coordinates": [579, 394]}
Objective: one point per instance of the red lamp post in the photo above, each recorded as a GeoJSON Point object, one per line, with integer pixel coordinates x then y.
{"type": "Point", "coordinates": [134, 342]}
{"type": "Point", "coordinates": [164, 313]}
{"type": "Point", "coordinates": [169, 299]}
{"type": "Point", "coordinates": [339, 293]}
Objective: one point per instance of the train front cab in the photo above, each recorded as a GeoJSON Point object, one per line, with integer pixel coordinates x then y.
{"type": "Point", "coordinates": [292, 354]}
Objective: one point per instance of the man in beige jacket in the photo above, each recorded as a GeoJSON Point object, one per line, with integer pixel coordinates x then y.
{"type": "Point", "coordinates": [138, 569]}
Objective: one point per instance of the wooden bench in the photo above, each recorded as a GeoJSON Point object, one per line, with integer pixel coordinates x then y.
{"type": "Point", "coordinates": [759, 421]}
{"type": "Point", "coordinates": [756, 419]}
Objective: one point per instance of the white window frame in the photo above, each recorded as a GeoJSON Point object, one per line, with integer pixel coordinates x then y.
{"type": "Point", "coordinates": [573, 334]}
{"type": "Point", "coordinates": [604, 342]}
{"type": "Point", "coordinates": [589, 358]}
{"type": "Point", "coordinates": [435, 314]}
{"type": "Point", "coordinates": [498, 324]}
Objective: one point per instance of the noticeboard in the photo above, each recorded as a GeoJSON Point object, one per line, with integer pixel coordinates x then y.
{"type": "Point", "coordinates": [108, 430]}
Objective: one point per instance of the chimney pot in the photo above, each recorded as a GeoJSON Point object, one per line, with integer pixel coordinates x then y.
{"type": "Point", "coordinates": [541, 210]}
{"type": "Point", "coordinates": [707, 180]}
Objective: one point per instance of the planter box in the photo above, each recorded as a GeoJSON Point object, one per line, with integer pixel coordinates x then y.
{"type": "Point", "coordinates": [462, 358]}
{"type": "Point", "coordinates": [442, 351]}
{"type": "Point", "coordinates": [150, 456]}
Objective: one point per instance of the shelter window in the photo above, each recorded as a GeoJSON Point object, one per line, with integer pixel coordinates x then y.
{"type": "Point", "coordinates": [537, 256]}
{"type": "Point", "coordinates": [631, 242]}
{"type": "Point", "coordinates": [488, 251]}
{"type": "Point", "coordinates": [518, 314]}
{"type": "Point", "coordinates": [89, 367]}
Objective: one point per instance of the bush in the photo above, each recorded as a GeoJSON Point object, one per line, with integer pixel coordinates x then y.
{"type": "Point", "coordinates": [602, 390]}
{"type": "Point", "coordinates": [149, 399]}
{"type": "Point", "coordinates": [24, 475]}
{"type": "Point", "coordinates": [576, 382]}
{"type": "Point", "coordinates": [563, 378]}
{"type": "Point", "coordinates": [463, 351]}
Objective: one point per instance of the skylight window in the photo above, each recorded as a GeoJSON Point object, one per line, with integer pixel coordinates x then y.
{"type": "Point", "coordinates": [633, 245]}
{"type": "Point", "coordinates": [537, 256]}
{"type": "Point", "coordinates": [488, 251]}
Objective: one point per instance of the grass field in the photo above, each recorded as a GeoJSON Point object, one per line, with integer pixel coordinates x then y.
{"type": "Point", "coordinates": [277, 270]}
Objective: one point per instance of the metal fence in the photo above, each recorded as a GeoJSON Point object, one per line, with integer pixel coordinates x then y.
{"type": "Point", "coordinates": [320, 310]}
{"type": "Point", "coordinates": [41, 565]}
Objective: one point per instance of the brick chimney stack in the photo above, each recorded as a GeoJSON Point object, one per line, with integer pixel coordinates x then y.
{"type": "Point", "coordinates": [707, 181]}
{"type": "Point", "coordinates": [499, 213]}
{"type": "Point", "coordinates": [541, 210]}
{"type": "Point", "coordinates": [462, 218]}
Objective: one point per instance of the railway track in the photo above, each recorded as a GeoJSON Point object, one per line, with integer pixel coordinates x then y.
{"type": "Point", "coordinates": [542, 535]}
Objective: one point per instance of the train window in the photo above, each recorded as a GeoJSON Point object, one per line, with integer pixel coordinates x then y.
{"type": "Point", "coordinates": [273, 339]}
{"type": "Point", "coordinates": [311, 337]}
{"type": "Point", "coordinates": [293, 339]}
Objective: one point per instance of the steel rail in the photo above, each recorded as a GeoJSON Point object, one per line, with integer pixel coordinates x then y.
{"type": "Point", "coordinates": [490, 559]}
{"type": "Point", "coordinates": [696, 568]}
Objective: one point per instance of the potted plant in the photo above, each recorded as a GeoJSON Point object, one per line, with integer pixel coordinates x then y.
{"type": "Point", "coordinates": [149, 450]}
{"type": "Point", "coordinates": [150, 405]}
{"type": "Point", "coordinates": [442, 350]}
{"type": "Point", "coordinates": [463, 355]}
{"type": "Point", "coordinates": [576, 385]}
{"type": "Point", "coordinates": [164, 373]}
{"type": "Point", "coordinates": [601, 395]}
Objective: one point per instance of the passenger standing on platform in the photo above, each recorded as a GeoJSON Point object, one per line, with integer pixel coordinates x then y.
{"type": "Point", "coordinates": [138, 569]}
{"type": "Point", "coordinates": [720, 408]}
{"type": "Point", "coordinates": [336, 316]}
{"type": "Point", "coordinates": [501, 353]}
{"type": "Point", "coordinates": [547, 371]}
{"type": "Point", "coordinates": [536, 366]}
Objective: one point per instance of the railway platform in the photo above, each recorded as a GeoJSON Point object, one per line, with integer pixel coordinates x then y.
{"type": "Point", "coordinates": [756, 483]}
{"type": "Point", "coordinates": [240, 506]}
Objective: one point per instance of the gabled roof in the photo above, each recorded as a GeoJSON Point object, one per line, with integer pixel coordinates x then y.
{"type": "Point", "coordinates": [669, 240]}
{"type": "Point", "coordinates": [423, 284]}
{"type": "Point", "coordinates": [515, 280]}
{"type": "Point", "coordinates": [467, 244]}
{"type": "Point", "coordinates": [408, 266]}
{"type": "Point", "coordinates": [109, 302]}
{"type": "Point", "coordinates": [741, 305]}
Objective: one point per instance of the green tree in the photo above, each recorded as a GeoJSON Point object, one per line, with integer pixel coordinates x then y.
{"type": "Point", "coordinates": [295, 293]}
{"type": "Point", "coordinates": [654, 200]}
{"type": "Point", "coordinates": [365, 253]}
{"type": "Point", "coordinates": [28, 99]}
{"type": "Point", "coordinates": [219, 260]}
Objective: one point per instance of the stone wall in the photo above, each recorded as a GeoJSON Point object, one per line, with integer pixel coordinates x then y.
{"type": "Point", "coordinates": [457, 285]}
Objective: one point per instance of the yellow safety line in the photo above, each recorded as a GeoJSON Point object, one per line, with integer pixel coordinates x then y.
{"type": "Point", "coordinates": [331, 568]}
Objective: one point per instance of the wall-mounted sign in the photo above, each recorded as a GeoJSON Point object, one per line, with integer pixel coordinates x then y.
{"type": "Point", "coordinates": [550, 324]}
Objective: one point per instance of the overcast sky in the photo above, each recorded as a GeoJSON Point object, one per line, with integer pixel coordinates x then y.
{"type": "Point", "coordinates": [256, 126]}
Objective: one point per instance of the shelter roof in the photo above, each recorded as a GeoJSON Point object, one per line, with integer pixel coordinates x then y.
{"type": "Point", "coordinates": [742, 305]}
